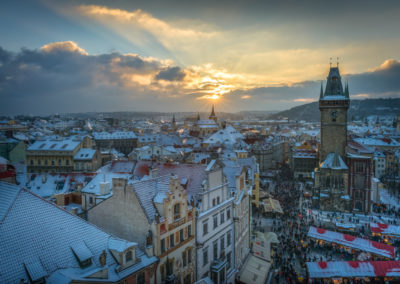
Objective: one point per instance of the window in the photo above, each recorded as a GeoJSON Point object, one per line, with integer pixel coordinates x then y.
{"type": "Point", "coordinates": [189, 256]}
{"type": "Point", "coordinates": [222, 217]}
{"type": "Point", "coordinates": [215, 249]}
{"type": "Point", "coordinates": [189, 230]}
{"type": "Point", "coordinates": [205, 228]}
{"type": "Point", "coordinates": [205, 256]}
{"type": "Point", "coordinates": [52, 162]}
{"type": "Point", "coordinates": [213, 202]}
{"type": "Point", "coordinates": [31, 162]}
{"type": "Point", "coordinates": [218, 200]}
{"type": "Point", "coordinates": [171, 241]}
{"type": "Point", "coordinates": [91, 200]}
{"type": "Point", "coordinates": [67, 162]}
{"type": "Point", "coordinates": [162, 269]}
{"type": "Point", "coordinates": [39, 162]}
{"type": "Point", "coordinates": [228, 214]}
{"type": "Point", "coordinates": [215, 221]}
{"type": "Point", "coordinates": [59, 162]}
{"type": "Point", "coordinates": [140, 278]}
{"type": "Point", "coordinates": [228, 238]}
{"type": "Point", "coordinates": [128, 256]}
{"type": "Point", "coordinates": [162, 245]}
{"type": "Point", "coordinates": [184, 258]}
{"type": "Point", "coordinates": [181, 235]}
{"type": "Point", "coordinates": [228, 258]}
{"type": "Point", "coordinates": [222, 243]}
{"type": "Point", "coordinates": [177, 213]}
{"type": "Point", "coordinates": [45, 162]}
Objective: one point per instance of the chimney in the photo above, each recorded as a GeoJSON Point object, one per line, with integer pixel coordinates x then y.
{"type": "Point", "coordinates": [44, 177]}
{"type": "Point", "coordinates": [74, 210]}
{"type": "Point", "coordinates": [154, 173]}
{"type": "Point", "coordinates": [104, 188]}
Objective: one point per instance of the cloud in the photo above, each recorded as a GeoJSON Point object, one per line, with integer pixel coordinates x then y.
{"type": "Point", "coordinates": [171, 74]}
{"type": "Point", "coordinates": [63, 46]}
{"type": "Point", "coordinates": [63, 77]}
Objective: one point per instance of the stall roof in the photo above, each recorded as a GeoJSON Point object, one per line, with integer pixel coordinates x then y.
{"type": "Point", "coordinates": [385, 229]}
{"type": "Point", "coordinates": [255, 270]}
{"type": "Point", "coordinates": [352, 242]}
{"type": "Point", "coordinates": [353, 269]}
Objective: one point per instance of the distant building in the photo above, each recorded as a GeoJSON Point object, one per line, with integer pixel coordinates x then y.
{"type": "Point", "coordinates": [61, 155]}
{"type": "Point", "coordinates": [122, 141]}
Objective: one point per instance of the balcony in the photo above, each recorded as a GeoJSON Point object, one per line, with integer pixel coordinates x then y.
{"type": "Point", "coordinates": [177, 223]}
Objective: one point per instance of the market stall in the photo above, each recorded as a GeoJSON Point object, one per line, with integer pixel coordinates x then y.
{"type": "Point", "coordinates": [352, 242]}
{"type": "Point", "coordinates": [350, 269]}
{"type": "Point", "coordinates": [385, 229]}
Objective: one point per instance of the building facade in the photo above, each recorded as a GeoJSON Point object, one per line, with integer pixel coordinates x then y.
{"type": "Point", "coordinates": [214, 229]}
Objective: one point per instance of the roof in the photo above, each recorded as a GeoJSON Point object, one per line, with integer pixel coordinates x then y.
{"type": "Point", "coordinates": [85, 154]}
{"type": "Point", "coordinates": [194, 174]}
{"type": "Point", "coordinates": [36, 234]}
{"type": "Point", "coordinates": [377, 142]}
{"type": "Point", "coordinates": [114, 135]}
{"type": "Point", "coordinates": [385, 229]}
{"type": "Point", "coordinates": [334, 161]}
{"type": "Point", "coordinates": [57, 144]}
{"type": "Point", "coordinates": [352, 241]}
{"type": "Point", "coordinates": [353, 269]}
{"type": "Point", "coordinates": [126, 167]}
{"type": "Point", "coordinates": [255, 270]}
{"type": "Point", "coordinates": [147, 190]}
{"type": "Point", "coordinates": [227, 136]}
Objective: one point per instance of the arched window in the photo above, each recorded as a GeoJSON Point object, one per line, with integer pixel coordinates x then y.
{"type": "Point", "coordinates": [177, 211]}
{"type": "Point", "coordinates": [128, 256]}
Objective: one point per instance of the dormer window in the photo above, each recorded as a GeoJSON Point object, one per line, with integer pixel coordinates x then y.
{"type": "Point", "coordinates": [128, 256]}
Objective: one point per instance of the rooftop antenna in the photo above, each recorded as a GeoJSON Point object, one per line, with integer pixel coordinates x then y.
{"type": "Point", "coordinates": [330, 62]}
{"type": "Point", "coordinates": [337, 62]}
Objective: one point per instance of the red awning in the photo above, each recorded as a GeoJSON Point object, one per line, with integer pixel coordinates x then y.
{"type": "Point", "coordinates": [352, 242]}
{"type": "Point", "coordinates": [353, 269]}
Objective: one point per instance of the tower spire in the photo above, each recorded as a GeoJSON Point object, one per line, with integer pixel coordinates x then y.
{"type": "Point", "coordinates": [321, 93]}
{"type": "Point", "coordinates": [346, 90]}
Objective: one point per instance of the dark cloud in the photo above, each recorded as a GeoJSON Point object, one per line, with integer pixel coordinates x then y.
{"type": "Point", "coordinates": [382, 82]}
{"type": "Point", "coordinates": [171, 74]}
{"type": "Point", "coordinates": [68, 80]}
{"type": "Point", "coordinates": [63, 80]}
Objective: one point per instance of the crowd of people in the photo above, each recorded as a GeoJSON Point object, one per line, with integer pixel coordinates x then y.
{"type": "Point", "coordinates": [295, 248]}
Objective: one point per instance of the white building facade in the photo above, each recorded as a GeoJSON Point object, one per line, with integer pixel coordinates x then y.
{"type": "Point", "coordinates": [214, 228]}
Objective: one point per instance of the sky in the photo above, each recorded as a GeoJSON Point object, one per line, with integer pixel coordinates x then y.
{"type": "Point", "coordinates": [144, 55]}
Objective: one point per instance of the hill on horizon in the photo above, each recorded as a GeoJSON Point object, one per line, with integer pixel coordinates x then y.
{"type": "Point", "coordinates": [359, 110]}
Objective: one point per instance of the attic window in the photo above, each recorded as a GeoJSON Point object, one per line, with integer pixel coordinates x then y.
{"type": "Point", "coordinates": [64, 146]}
{"type": "Point", "coordinates": [82, 254]}
{"type": "Point", "coordinates": [35, 271]}
{"type": "Point", "coordinates": [128, 256]}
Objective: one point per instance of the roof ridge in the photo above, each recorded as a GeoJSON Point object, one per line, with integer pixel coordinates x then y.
{"type": "Point", "coordinates": [62, 209]}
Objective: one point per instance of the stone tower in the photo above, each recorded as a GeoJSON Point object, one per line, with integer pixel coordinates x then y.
{"type": "Point", "coordinates": [333, 105]}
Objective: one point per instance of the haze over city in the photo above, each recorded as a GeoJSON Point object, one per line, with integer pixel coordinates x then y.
{"type": "Point", "coordinates": [76, 56]}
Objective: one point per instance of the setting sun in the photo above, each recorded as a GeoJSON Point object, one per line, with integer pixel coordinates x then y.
{"type": "Point", "coordinates": [214, 97]}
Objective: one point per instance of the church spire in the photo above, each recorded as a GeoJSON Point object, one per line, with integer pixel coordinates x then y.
{"type": "Point", "coordinates": [321, 93]}
{"type": "Point", "coordinates": [346, 90]}
{"type": "Point", "coordinates": [173, 119]}
{"type": "Point", "coordinates": [212, 115]}
{"type": "Point", "coordinates": [212, 111]}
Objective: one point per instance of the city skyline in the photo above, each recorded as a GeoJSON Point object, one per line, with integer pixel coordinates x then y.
{"type": "Point", "coordinates": [76, 56]}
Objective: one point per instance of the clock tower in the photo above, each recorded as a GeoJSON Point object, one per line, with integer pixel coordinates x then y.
{"type": "Point", "coordinates": [333, 105]}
